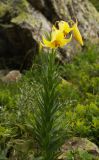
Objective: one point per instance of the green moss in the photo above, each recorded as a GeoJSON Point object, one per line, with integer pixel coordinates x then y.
{"type": "Point", "coordinates": [21, 17]}
{"type": "Point", "coordinates": [18, 10]}
{"type": "Point", "coordinates": [13, 7]}
{"type": "Point", "coordinates": [24, 17]}
{"type": "Point", "coordinates": [4, 8]}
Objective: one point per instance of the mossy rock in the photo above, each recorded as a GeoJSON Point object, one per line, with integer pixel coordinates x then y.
{"type": "Point", "coordinates": [3, 9]}
{"type": "Point", "coordinates": [79, 144]}
{"type": "Point", "coordinates": [37, 19]}
{"type": "Point", "coordinates": [20, 32]}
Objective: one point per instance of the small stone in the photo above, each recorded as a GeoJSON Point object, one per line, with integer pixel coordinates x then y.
{"type": "Point", "coordinates": [12, 76]}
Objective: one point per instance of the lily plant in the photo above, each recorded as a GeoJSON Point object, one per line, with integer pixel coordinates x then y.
{"type": "Point", "coordinates": [48, 131]}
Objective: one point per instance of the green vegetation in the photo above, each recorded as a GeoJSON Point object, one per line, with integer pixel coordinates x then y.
{"type": "Point", "coordinates": [48, 129]}
{"type": "Point", "coordinates": [50, 103]}
{"type": "Point", "coordinates": [83, 75]}
{"type": "Point", "coordinates": [79, 154]}
{"type": "Point", "coordinates": [14, 8]}
{"type": "Point", "coordinates": [96, 3]}
{"type": "Point", "coordinates": [82, 94]}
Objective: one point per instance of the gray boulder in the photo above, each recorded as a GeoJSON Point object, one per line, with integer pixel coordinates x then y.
{"type": "Point", "coordinates": [11, 76]}
{"type": "Point", "coordinates": [22, 24]}
{"type": "Point", "coordinates": [20, 33]}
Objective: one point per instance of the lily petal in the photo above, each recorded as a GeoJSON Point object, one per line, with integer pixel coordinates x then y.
{"type": "Point", "coordinates": [65, 41]}
{"type": "Point", "coordinates": [64, 27]}
{"type": "Point", "coordinates": [47, 43]}
{"type": "Point", "coordinates": [76, 34]}
{"type": "Point", "coordinates": [57, 35]}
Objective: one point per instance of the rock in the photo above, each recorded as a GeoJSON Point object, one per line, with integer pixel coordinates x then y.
{"type": "Point", "coordinates": [23, 22]}
{"type": "Point", "coordinates": [81, 144]}
{"type": "Point", "coordinates": [83, 10]}
{"type": "Point", "coordinates": [20, 36]}
{"type": "Point", "coordinates": [88, 20]}
{"type": "Point", "coordinates": [3, 72]}
{"type": "Point", "coordinates": [12, 76]}
{"type": "Point", "coordinates": [38, 4]}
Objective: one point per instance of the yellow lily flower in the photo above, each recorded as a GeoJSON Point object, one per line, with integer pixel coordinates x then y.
{"type": "Point", "coordinates": [64, 27]}
{"type": "Point", "coordinates": [57, 39]}
{"type": "Point", "coordinates": [76, 34]}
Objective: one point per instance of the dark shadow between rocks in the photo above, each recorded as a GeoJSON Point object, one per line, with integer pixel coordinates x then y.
{"type": "Point", "coordinates": [17, 46]}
